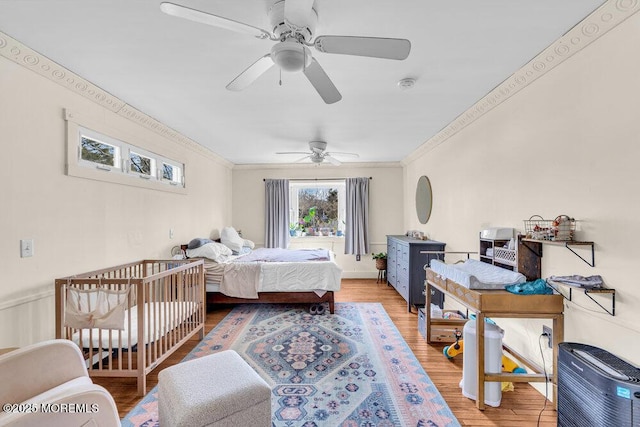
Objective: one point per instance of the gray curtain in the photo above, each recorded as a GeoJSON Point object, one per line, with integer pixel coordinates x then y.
{"type": "Point", "coordinates": [276, 203]}
{"type": "Point", "coordinates": [357, 218]}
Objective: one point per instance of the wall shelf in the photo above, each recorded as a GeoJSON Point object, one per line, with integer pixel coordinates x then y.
{"type": "Point", "coordinates": [589, 292]}
{"type": "Point", "coordinates": [569, 244]}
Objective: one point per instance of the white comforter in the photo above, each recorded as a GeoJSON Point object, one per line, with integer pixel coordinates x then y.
{"type": "Point", "coordinates": [245, 281]}
{"type": "Point", "coordinates": [475, 274]}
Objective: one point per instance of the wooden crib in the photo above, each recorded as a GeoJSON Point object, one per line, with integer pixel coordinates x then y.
{"type": "Point", "coordinates": [162, 303]}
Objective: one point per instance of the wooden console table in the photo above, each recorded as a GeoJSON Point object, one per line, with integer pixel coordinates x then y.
{"type": "Point", "coordinates": [497, 304]}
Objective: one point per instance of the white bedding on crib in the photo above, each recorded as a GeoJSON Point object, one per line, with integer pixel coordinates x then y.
{"type": "Point", "coordinates": [178, 312]}
{"type": "Point", "coordinates": [473, 274]}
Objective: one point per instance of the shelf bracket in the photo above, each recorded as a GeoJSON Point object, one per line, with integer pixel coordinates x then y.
{"type": "Point", "coordinates": [611, 292]}
{"type": "Point", "coordinates": [593, 256]}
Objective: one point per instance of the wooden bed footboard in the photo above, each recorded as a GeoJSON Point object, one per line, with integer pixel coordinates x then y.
{"type": "Point", "coordinates": [275, 297]}
{"type": "Point", "coordinates": [128, 319]}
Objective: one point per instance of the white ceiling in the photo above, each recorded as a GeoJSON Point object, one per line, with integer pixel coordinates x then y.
{"type": "Point", "coordinates": [176, 70]}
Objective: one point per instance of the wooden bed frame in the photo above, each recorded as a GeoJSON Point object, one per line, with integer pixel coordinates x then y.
{"type": "Point", "coordinates": [167, 300]}
{"type": "Point", "coordinates": [275, 297]}
{"type": "Point", "coordinates": [271, 297]}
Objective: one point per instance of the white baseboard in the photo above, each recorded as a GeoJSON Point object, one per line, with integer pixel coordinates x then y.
{"type": "Point", "coordinates": [360, 274]}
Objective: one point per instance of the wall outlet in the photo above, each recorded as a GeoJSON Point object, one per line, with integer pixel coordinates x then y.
{"type": "Point", "coordinates": [26, 248]}
{"type": "Point", "coordinates": [549, 333]}
{"type": "Point", "coordinates": [171, 233]}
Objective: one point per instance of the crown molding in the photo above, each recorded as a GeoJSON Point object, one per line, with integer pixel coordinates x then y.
{"type": "Point", "coordinates": [601, 21]}
{"type": "Point", "coordinates": [21, 54]}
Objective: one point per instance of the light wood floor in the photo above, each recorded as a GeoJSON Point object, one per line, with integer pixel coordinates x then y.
{"type": "Point", "coordinates": [518, 408]}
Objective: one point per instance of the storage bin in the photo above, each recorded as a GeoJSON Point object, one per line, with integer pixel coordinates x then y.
{"type": "Point", "coordinates": [492, 362]}
{"type": "Point", "coordinates": [422, 323]}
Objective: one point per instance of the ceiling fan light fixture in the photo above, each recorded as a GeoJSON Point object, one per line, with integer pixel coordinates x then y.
{"type": "Point", "coordinates": [291, 56]}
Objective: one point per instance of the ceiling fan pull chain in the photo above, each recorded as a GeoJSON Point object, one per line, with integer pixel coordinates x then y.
{"type": "Point", "coordinates": [280, 82]}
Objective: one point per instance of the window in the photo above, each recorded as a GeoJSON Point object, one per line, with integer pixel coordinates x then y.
{"type": "Point", "coordinates": [317, 208]}
{"type": "Point", "coordinates": [98, 152]}
{"type": "Point", "coordinates": [140, 164]}
{"type": "Point", "coordinates": [104, 153]}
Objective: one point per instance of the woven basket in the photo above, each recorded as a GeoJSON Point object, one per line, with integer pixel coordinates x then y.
{"type": "Point", "coordinates": [381, 263]}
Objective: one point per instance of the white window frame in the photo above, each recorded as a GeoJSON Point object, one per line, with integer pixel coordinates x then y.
{"type": "Point", "coordinates": [120, 172]}
{"type": "Point", "coordinates": [295, 186]}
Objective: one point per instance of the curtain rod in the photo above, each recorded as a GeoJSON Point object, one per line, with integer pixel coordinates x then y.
{"type": "Point", "coordinates": [316, 179]}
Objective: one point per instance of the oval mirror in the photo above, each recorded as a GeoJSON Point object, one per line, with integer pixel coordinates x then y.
{"type": "Point", "coordinates": [423, 199]}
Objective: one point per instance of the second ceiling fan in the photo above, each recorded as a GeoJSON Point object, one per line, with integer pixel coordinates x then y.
{"type": "Point", "coordinates": [293, 24]}
{"type": "Point", "coordinates": [318, 154]}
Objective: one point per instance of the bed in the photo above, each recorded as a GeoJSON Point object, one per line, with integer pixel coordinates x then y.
{"type": "Point", "coordinates": [270, 275]}
{"type": "Point", "coordinates": [128, 319]}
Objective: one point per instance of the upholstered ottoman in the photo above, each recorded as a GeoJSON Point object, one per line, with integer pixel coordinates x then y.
{"type": "Point", "coordinates": [216, 390]}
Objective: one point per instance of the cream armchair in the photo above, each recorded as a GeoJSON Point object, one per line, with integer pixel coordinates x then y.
{"type": "Point", "coordinates": [47, 384]}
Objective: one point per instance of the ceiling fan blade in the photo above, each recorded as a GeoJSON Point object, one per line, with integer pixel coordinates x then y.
{"type": "Point", "coordinates": [292, 152]}
{"type": "Point", "coordinates": [343, 154]}
{"type": "Point", "coordinates": [249, 75]}
{"type": "Point", "coordinates": [332, 160]}
{"type": "Point", "coordinates": [304, 158]}
{"type": "Point", "coordinates": [209, 19]}
{"type": "Point", "coordinates": [375, 47]}
{"type": "Point", "coordinates": [321, 81]}
{"type": "Point", "coordinates": [296, 13]}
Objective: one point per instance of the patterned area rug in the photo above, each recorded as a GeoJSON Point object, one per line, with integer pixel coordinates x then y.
{"type": "Point", "coordinates": [350, 369]}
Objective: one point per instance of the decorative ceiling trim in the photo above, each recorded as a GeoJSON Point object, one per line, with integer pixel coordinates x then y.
{"type": "Point", "coordinates": [19, 53]}
{"type": "Point", "coordinates": [602, 20]}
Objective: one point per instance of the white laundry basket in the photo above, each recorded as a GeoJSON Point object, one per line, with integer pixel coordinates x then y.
{"type": "Point", "coordinates": [492, 362]}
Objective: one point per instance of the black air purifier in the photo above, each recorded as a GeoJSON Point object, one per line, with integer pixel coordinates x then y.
{"type": "Point", "coordinates": [596, 388]}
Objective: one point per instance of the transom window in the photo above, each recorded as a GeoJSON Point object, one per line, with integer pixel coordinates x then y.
{"type": "Point", "coordinates": [109, 154]}
{"type": "Point", "coordinates": [317, 208]}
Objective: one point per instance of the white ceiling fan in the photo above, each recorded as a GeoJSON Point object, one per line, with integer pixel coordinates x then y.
{"type": "Point", "coordinates": [317, 153]}
{"type": "Point", "coordinates": [293, 24]}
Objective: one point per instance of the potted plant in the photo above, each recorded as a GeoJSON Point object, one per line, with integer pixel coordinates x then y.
{"type": "Point", "coordinates": [381, 260]}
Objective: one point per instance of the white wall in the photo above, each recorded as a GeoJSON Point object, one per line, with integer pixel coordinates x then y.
{"type": "Point", "coordinates": [80, 224]}
{"type": "Point", "coordinates": [568, 143]}
{"type": "Point", "coordinates": [385, 207]}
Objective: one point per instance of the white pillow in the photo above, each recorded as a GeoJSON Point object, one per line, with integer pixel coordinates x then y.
{"type": "Point", "coordinates": [215, 251]}
{"type": "Point", "coordinates": [231, 239]}
{"type": "Point", "coordinates": [248, 244]}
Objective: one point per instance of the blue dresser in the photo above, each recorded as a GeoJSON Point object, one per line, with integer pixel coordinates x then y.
{"type": "Point", "coordinates": [405, 268]}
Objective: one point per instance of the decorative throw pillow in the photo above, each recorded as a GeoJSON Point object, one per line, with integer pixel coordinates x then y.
{"type": "Point", "coordinates": [231, 239]}
{"type": "Point", "coordinates": [214, 251]}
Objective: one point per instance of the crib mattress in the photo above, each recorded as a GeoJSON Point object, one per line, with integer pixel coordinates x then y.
{"type": "Point", "coordinates": [174, 313]}
{"type": "Point", "coordinates": [473, 274]}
